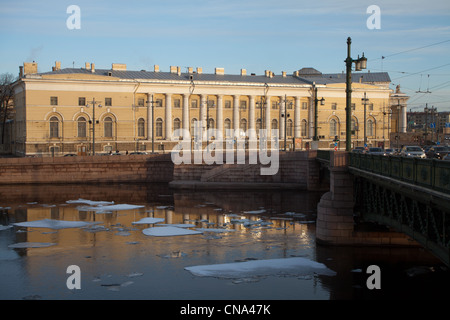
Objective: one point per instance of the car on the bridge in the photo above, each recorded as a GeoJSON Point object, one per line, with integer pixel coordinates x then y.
{"type": "Point", "coordinates": [412, 151]}
{"type": "Point", "coordinates": [437, 152]}
{"type": "Point", "coordinates": [376, 151]}
{"type": "Point", "coordinates": [391, 152]}
{"type": "Point", "coordinates": [359, 150]}
{"type": "Point", "coordinates": [447, 157]}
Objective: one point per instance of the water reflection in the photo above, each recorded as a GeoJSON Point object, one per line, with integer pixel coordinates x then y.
{"type": "Point", "coordinates": [118, 261]}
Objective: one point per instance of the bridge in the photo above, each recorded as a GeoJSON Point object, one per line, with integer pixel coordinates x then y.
{"type": "Point", "coordinates": [409, 195]}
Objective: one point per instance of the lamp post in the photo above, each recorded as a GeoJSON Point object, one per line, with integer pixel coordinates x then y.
{"type": "Point", "coordinates": [322, 102]}
{"type": "Point", "coordinates": [93, 103]}
{"type": "Point", "coordinates": [360, 63]}
{"type": "Point", "coordinates": [285, 115]}
{"type": "Point", "coordinates": [364, 101]}
{"type": "Point", "coordinates": [152, 102]}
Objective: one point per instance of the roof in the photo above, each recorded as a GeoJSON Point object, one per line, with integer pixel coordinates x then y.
{"type": "Point", "coordinates": [306, 76]}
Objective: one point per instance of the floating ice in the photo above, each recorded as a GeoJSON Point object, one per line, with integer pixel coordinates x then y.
{"type": "Point", "coordinates": [148, 221]}
{"type": "Point", "coordinates": [178, 225]}
{"type": "Point", "coordinates": [255, 211]}
{"type": "Point", "coordinates": [295, 266]}
{"type": "Point", "coordinates": [53, 224]}
{"type": "Point", "coordinates": [31, 245]}
{"type": "Point", "coordinates": [114, 207]}
{"type": "Point", "coordinates": [5, 227]}
{"type": "Point", "coordinates": [168, 231]}
{"type": "Point", "coordinates": [90, 202]}
{"type": "Point", "coordinates": [218, 230]}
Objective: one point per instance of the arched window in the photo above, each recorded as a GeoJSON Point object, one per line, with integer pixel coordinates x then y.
{"type": "Point", "coordinates": [176, 124]}
{"type": "Point", "coordinates": [227, 127]}
{"type": "Point", "coordinates": [193, 123]}
{"type": "Point", "coordinates": [108, 127]}
{"type": "Point", "coordinates": [354, 126]}
{"type": "Point", "coordinates": [211, 123]}
{"type": "Point", "coordinates": [141, 127]}
{"type": "Point", "coordinates": [370, 131]}
{"type": "Point", "coordinates": [159, 127]}
{"type": "Point", "coordinates": [274, 124]}
{"type": "Point", "coordinates": [289, 128]}
{"type": "Point", "coordinates": [258, 125]}
{"type": "Point", "coordinates": [54, 127]}
{"type": "Point", "coordinates": [304, 127]}
{"type": "Point", "coordinates": [81, 127]}
{"type": "Point", "coordinates": [243, 125]}
{"type": "Point", "coordinates": [333, 127]}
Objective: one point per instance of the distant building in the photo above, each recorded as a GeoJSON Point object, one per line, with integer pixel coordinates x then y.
{"type": "Point", "coordinates": [429, 124]}
{"type": "Point", "coordinates": [141, 109]}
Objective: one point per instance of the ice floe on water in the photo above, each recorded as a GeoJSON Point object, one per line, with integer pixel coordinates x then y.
{"type": "Point", "coordinates": [54, 224]}
{"type": "Point", "coordinates": [168, 231]}
{"type": "Point", "coordinates": [20, 245]}
{"type": "Point", "coordinates": [255, 211]}
{"type": "Point", "coordinates": [111, 208]}
{"type": "Point", "coordinates": [90, 202]}
{"type": "Point", "coordinates": [148, 220]}
{"type": "Point", "coordinates": [5, 227]}
{"type": "Point", "coordinates": [178, 225]}
{"type": "Point", "coordinates": [285, 266]}
{"type": "Point", "coordinates": [218, 230]}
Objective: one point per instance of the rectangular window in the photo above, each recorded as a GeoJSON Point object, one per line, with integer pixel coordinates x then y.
{"type": "Point", "coordinates": [54, 101]}
{"type": "Point", "coordinates": [371, 107]}
{"type": "Point", "coordinates": [243, 104]}
{"type": "Point", "coordinates": [274, 105]}
{"type": "Point", "coordinates": [108, 102]}
{"type": "Point", "coordinates": [194, 104]}
{"type": "Point", "coordinates": [334, 106]}
{"type": "Point", "coordinates": [304, 105]}
{"type": "Point", "coordinates": [81, 101]}
{"type": "Point", "coordinates": [177, 103]}
{"type": "Point", "coordinates": [159, 103]}
{"type": "Point", "coordinates": [353, 106]}
{"type": "Point", "coordinates": [227, 104]}
{"type": "Point", "coordinates": [141, 102]}
{"type": "Point", "coordinates": [290, 104]}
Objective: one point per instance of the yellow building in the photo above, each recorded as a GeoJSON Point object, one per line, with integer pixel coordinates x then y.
{"type": "Point", "coordinates": [139, 110]}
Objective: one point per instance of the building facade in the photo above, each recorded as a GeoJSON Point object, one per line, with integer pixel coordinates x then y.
{"type": "Point", "coordinates": [87, 109]}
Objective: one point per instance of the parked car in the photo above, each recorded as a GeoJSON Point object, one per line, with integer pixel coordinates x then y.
{"type": "Point", "coordinates": [447, 157]}
{"type": "Point", "coordinates": [412, 151]}
{"type": "Point", "coordinates": [376, 151]}
{"type": "Point", "coordinates": [359, 150]}
{"type": "Point", "coordinates": [390, 152]}
{"type": "Point", "coordinates": [437, 152]}
{"type": "Point", "coordinates": [137, 152]}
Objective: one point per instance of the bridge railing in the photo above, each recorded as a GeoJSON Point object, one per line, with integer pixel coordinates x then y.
{"type": "Point", "coordinates": [429, 173]}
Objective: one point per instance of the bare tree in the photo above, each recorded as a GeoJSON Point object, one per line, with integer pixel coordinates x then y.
{"type": "Point", "coordinates": [6, 99]}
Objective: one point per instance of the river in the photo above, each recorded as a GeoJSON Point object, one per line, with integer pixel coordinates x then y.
{"type": "Point", "coordinates": [118, 259]}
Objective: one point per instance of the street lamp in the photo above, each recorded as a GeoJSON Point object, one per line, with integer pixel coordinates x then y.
{"type": "Point", "coordinates": [152, 102]}
{"type": "Point", "coordinates": [360, 63]}
{"type": "Point", "coordinates": [322, 103]}
{"type": "Point", "coordinates": [364, 101]}
{"type": "Point", "coordinates": [209, 104]}
{"type": "Point", "coordinates": [93, 103]}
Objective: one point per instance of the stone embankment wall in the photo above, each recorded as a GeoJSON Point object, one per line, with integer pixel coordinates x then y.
{"type": "Point", "coordinates": [87, 169]}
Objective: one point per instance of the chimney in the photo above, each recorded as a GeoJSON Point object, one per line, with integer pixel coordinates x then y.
{"type": "Point", "coordinates": [220, 71]}
{"type": "Point", "coordinates": [190, 70]}
{"type": "Point", "coordinates": [57, 65]}
{"type": "Point", "coordinates": [284, 74]}
{"type": "Point", "coordinates": [173, 69]}
{"type": "Point", "coordinates": [296, 73]}
{"type": "Point", "coordinates": [29, 67]}
{"type": "Point", "coordinates": [243, 72]}
{"type": "Point", "coordinates": [87, 65]}
{"type": "Point", "coordinates": [20, 71]}
{"type": "Point", "coordinates": [119, 67]}
{"type": "Point", "coordinates": [267, 73]}
{"type": "Point", "coordinates": [92, 67]}
{"type": "Point", "coordinates": [156, 68]}
{"type": "Point", "coordinates": [199, 70]}
{"type": "Point", "coordinates": [179, 71]}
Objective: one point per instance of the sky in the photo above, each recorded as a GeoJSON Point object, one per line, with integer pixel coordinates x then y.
{"type": "Point", "coordinates": [409, 39]}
